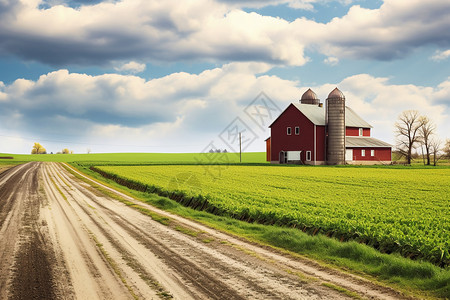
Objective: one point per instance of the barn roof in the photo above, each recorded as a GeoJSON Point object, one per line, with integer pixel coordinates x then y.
{"type": "Point", "coordinates": [316, 115]}
{"type": "Point", "coordinates": [358, 142]}
{"type": "Point", "coordinates": [353, 120]}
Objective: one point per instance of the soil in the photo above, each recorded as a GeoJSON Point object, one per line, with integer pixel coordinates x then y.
{"type": "Point", "coordinates": [63, 239]}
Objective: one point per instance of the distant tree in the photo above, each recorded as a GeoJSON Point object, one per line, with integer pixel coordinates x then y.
{"type": "Point", "coordinates": [38, 149]}
{"type": "Point", "coordinates": [211, 151]}
{"type": "Point", "coordinates": [426, 131]}
{"type": "Point", "coordinates": [446, 148]}
{"type": "Point", "coordinates": [435, 149]}
{"type": "Point", "coordinates": [67, 151]}
{"type": "Point", "coordinates": [224, 151]}
{"type": "Point", "coordinates": [218, 151]}
{"type": "Point", "coordinates": [407, 130]}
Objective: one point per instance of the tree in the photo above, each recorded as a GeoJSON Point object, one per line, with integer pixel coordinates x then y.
{"type": "Point", "coordinates": [407, 130]}
{"type": "Point", "coordinates": [426, 131]}
{"type": "Point", "coordinates": [67, 151]}
{"type": "Point", "coordinates": [446, 149]}
{"type": "Point", "coordinates": [38, 149]}
{"type": "Point", "coordinates": [435, 149]}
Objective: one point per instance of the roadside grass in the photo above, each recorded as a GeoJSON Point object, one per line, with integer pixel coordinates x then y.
{"type": "Point", "coordinates": [341, 290]}
{"type": "Point", "coordinates": [6, 163]}
{"type": "Point", "coordinates": [418, 278]}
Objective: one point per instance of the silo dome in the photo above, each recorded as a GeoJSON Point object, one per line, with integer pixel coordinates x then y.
{"type": "Point", "coordinates": [309, 97]}
{"type": "Point", "coordinates": [336, 93]}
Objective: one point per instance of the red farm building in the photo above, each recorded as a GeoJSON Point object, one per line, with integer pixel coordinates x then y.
{"type": "Point", "coordinates": [309, 133]}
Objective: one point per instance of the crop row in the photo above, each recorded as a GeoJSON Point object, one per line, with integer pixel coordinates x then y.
{"type": "Point", "coordinates": [393, 210]}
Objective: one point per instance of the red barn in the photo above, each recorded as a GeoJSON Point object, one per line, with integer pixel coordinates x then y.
{"type": "Point", "coordinates": [309, 133]}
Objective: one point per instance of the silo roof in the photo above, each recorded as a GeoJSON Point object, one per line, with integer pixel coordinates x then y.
{"type": "Point", "coordinates": [309, 95]}
{"type": "Point", "coordinates": [359, 141]}
{"type": "Point", "coordinates": [316, 115]}
{"type": "Point", "coordinates": [336, 93]}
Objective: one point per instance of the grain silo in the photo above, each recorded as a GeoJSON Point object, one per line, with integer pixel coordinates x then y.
{"type": "Point", "coordinates": [335, 120]}
{"type": "Point", "coordinates": [309, 97]}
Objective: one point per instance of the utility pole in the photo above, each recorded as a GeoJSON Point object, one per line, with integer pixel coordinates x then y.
{"type": "Point", "coordinates": [240, 148]}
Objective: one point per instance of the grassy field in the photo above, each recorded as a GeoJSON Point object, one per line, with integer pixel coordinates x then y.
{"type": "Point", "coordinates": [141, 158]}
{"type": "Point", "coordinates": [394, 210]}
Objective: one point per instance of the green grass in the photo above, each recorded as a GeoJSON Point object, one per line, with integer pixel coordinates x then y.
{"type": "Point", "coordinates": [394, 210]}
{"type": "Point", "coordinates": [142, 158]}
{"type": "Point", "coordinates": [420, 278]}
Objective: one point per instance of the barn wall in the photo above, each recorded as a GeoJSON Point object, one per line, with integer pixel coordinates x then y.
{"type": "Point", "coordinates": [268, 149]}
{"type": "Point", "coordinates": [354, 131]}
{"type": "Point", "coordinates": [292, 117]}
{"type": "Point", "coordinates": [381, 154]}
{"type": "Point", "coordinates": [320, 143]}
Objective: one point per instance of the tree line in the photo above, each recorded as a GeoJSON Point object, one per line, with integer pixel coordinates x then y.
{"type": "Point", "coordinates": [39, 149]}
{"type": "Point", "coordinates": [417, 131]}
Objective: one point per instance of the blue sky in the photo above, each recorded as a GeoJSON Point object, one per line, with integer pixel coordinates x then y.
{"type": "Point", "coordinates": [160, 76]}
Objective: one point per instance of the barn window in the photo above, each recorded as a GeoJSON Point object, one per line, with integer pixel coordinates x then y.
{"type": "Point", "coordinates": [372, 152]}
{"type": "Point", "coordinates": [289, 131]}
{"type": "Point", "coordinates": [297, 130]}
{"type": "Point", "coordinates": [308, 155]}
{"type": "Point", "coordinates": [363, 152]}
{"type": "Point", "coordinates": [361, 132]}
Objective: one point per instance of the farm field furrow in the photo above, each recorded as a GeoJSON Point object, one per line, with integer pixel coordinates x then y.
{"type": "Point", "coordinates": [394, 210]}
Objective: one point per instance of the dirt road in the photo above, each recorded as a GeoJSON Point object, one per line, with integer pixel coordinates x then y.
{"type": "Point", "coordinates": [63, 239]}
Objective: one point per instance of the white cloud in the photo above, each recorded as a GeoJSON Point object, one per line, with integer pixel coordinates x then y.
{"type": "Point", "coordinates": [296, 4]}
{"type": "Point", "coordinates": [151, 30]}
{"type": "Point", "coordinates": [441, 55]}
{"type": "Point", "coordinates": [386, 33]}
{"type": "Point", "coordinates": [332, 61]}
{"type": "Point", "coordinates": [380, 103]}
{"type": "Point", "coordinates": [114, 109]}
{"type": "Point", "coordinates": [131, 67]}
{"type": "Point", "coordinates": [184, 112]}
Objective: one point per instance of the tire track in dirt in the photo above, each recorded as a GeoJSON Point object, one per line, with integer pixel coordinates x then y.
{"type": "Point", "coordinates": [90, 274]}
{"type": "Point", "coordinates": [25, 268]}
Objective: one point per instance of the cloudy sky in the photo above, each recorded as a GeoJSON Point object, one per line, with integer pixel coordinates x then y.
{"type": "Point", "coordinates": [182, 76]}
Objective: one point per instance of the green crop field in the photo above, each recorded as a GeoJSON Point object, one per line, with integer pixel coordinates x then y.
{"type": "Point", "coordinates": [403, 210]}
{"type": "Point", "coordinates": [141, 158]}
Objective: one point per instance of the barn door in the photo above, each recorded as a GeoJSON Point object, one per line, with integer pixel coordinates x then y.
{"type": "Point", "coordinates": [283, 157]}
{"type": "Point", "coordinates": [348, 154]}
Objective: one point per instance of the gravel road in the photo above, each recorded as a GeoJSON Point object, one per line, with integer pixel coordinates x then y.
{"type": "Point", "coordinates": [63, 239]}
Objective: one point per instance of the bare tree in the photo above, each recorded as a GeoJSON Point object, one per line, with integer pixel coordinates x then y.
{"type": "Point", "coordinates": [446, 149]}
{"type": "Point", "coordinates": [435, 149]}
{"type": "Point", "coordinates": [426, 131]}
{"type": "Point", "coordinates": [407, 130]}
